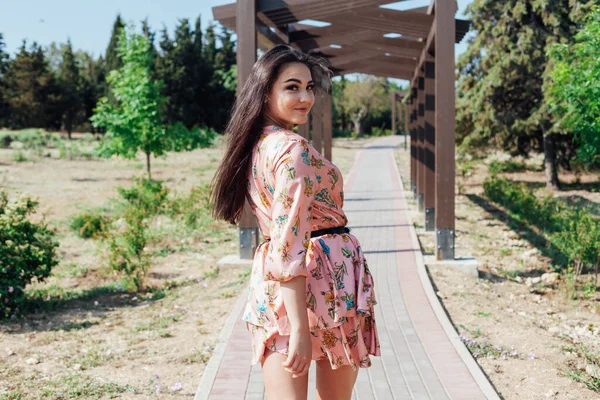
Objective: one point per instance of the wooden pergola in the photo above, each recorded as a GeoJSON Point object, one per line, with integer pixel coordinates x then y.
{"type": "Point", "coordinates": [360, 36]}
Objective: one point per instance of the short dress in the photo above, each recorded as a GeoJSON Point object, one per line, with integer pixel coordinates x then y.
{"type": "Point", "coordinates": [293, 190]}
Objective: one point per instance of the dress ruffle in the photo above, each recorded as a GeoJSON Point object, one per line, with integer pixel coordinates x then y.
{"type": "Point", "coordinates": [351, 343]}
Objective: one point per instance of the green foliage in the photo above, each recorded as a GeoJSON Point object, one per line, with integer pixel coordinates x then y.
{"type": "Point", "coordinates": [574, 87]}
{"type": "Point", "coordinates": [496, 167]}
{"type": "Point", "coordinates": [367, 95]}
{"type": "Point", "coordinates": [128, 253]}
{"type": "Point", "coordinates": [19, 156]}
{"type": "Point", "coordinates": [135, 122]}
{"type": "Point", "coordinates": [148, 196]}
{"type": "Point", "coordinates": [575, 233]}
{"type": "Point", "coordinates": [113, 57]}
{"type": "Point", "coordinates": [90, 225]}
{"type": "Point", "coordinates": [31, 91]}
{"type": "Point", "coordinates": [500, 96]}
{"type": "Point", "coordinates": [28, 251]}
{"type": "Point", "coordinates": [69, 82]}
{"type": "Point", "coordinates": [194, 207]}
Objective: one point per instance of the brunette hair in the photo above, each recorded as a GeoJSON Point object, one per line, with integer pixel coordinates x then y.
{"type": "Point", "coordinates": [230, 183]}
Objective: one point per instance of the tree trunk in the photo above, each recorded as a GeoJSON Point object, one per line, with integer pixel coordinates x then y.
{"type": "Point", "coordinates": [148, 165]}
{"type": "Point", "coordinates": [357, 126]}
{"type": "Point", "coordinates": [552, 181]}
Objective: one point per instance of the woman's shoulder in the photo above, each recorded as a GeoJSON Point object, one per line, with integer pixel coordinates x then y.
{"type": "Point", "coordinates": [282, 140]}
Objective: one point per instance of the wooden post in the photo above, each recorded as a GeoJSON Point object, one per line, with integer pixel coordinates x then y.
{"type": "Point", "coordinates": [246, 57]}
{"type": "Point", "coordinates": [317, 123]}
{"type": "Point", "coordinates": [429, 146]}
{"type": "Point", "coordinates": [303, 129]}
{"type": "Point", "coordinates": [393, 106]}
{"type": "Point", "coordinates": [413, 139]}
{"type": "Point", "coordinates": [327, 126]}
{"type": "Point", "coordinates": [405, 123]}
{"type": "Point", "coordinates": [445, 117]}
{"type": "Point", "coordinates": [420, 138]}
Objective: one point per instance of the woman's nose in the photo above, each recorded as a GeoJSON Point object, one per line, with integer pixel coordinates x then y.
{"type": "Point", "coordinates": [305, 96]}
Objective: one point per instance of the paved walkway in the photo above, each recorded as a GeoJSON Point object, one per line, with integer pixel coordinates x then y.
{"type": "Point", "coordinates": [422, 356]}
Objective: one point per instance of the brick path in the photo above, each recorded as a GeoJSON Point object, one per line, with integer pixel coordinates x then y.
{"type": "Point", "coordinates": [422, 357]}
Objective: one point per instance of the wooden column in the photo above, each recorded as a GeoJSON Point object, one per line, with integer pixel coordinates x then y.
{"type": "Point", "coordinates": [317, 123]}
{"type": "Point", "coordinates": [445, 119]}
{"type": "Point", "coordinates": [405, 120]}
{"type": "Point", "coordinates": [393, 106]}
{"type": "Point", "coordinates": [429, 146]}
{"type": "Point", "coordinates": [246, 57]}
{"type": "Point", "coordinates": [413, 140]}
{"type": "Point", "coordinates": [420, 138]}
{"type": "Point", "coordinates": [303, 129]}
{"type": "Point", "coordinates": [327, 126]}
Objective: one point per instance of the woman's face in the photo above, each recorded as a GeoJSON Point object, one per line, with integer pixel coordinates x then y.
{"type": "Point", "coordinates": [291, 96]}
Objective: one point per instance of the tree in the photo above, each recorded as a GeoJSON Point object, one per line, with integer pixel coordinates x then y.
{"type": "Point", "coordinates": [574, 88]}
{"type": "Point", "coordinates": [31, 91]}
{"type": "Point", "coordinates": [93, 85]}
{"type": "Point", "coordinates": [4, 60]}
{"type": "Point", "coordinates": [363, 96]}
{"type": "Point", "coordinates": [135, 123]}
{"type": "Point", "coordinates": [113, 60]}
{"type": "Point", "coordinates": [500, 91]}
{"type": "Point", "coordinates": [70, 85]}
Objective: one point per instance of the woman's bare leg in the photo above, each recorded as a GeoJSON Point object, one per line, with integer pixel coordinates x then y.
{"type": "Point", "coordinates": [334, 384]}
{"type": "Point", "coordinates": [279, 383]}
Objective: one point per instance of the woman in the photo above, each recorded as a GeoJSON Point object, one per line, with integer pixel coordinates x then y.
{"type": "Point", "coordinates": [311, 294]}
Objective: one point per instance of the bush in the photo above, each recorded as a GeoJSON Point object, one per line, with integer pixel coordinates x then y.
{"type": "Point", "coordinates": [496, 167]}
{"type": "Point", "coordinates": [575, 233]}
{"type": "Point", "coordinates": [27, 251]}
{"type": "Point", "coordinates": [19, 156]}
{"type": "Point", "coordinates": [90, 225]}
{"type": "Point", "coordinates": [148, 196]}
{"type": "Point", "coordinates": [6, 139]}
{"type": "Point", "coordinates": [128, 248]}
{"type": "Point", "coordinates": [194, 207]}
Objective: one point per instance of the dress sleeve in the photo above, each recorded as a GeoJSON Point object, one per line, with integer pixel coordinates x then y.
{"type": "Point", "coordinates": [291, 213]}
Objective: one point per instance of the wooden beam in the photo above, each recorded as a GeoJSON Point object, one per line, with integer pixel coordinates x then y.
{"type": "Point", "coordinates": [445, 136]}
{"type": "Point", "coordinates": [386, 21]}
{"type": "Point", "coordinates": [421, 140]}
{"type": "Point", "coordinates": [317, 123]}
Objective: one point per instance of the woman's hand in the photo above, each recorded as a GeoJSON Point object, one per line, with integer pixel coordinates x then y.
{"type": "Point", "coordinates": [300, 348]}
{"type": "Point", "coordinates": [300, 353]}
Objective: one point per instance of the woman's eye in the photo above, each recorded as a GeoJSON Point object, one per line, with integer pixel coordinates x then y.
{"type": "Point", "coordinates": [310, 87]}
{"type": "Point", "coordinates": [292, 87]}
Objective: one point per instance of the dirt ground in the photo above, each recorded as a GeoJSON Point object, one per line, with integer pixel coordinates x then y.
{"type": "Point", "coordinates": [103, 341]}
{"type": "Point", "coordinates": [530, 339]}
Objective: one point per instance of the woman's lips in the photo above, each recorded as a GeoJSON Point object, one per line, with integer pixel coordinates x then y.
{"type": "Point", "coordinates": [302, 110]}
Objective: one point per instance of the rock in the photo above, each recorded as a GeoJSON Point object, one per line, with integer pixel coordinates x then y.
{"type": "Point", "coordinates": [32, 361]}
{"type": "Point", "coordinates": [552, 393]}
{"type": "Point", "coordinates": [77, 367]}
{"type": "Point", "coordinates": [550, 278]}
{"type": "Point", "coordinates": [10, 352]}
{"type": "Point", "coordinates": [532, 281]}
{"type": "Point", "coordinates": [519, 279]}
{"type": "Point", "coordinates": [593, 371]}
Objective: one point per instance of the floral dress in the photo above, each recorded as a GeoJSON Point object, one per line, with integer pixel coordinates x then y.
{"type": "Point", "coordinates": [292, 191]}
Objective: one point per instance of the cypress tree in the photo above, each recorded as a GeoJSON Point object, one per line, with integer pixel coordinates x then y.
{"type": "Point", "coordinates": [500, 96]}
{"type": "Point", "coordinates": [113, 60]}
{"type": "Point", "coordinates": [4, 60]}
{"type": "Point", "coordinates": [31, 91]}
{"type": "Point", "coordinates": [70, 85]}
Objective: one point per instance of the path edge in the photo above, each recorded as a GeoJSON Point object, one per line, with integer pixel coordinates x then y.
{"type": "Point", "coordinates": [472, 366]}
{"type": "Point", "coordinates": [212, 368]}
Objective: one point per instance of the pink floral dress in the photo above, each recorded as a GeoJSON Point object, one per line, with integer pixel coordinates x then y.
{"type": "Point", "coordinates": [293, 190]}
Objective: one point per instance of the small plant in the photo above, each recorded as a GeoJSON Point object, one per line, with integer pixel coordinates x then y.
{"type": "Point", "coordinates": [496, 167]}
{"type": "Point", "coordinates": [28, 251]}
{"type": "Point", "coordinates": [19, 156]}
{"type": "Point", "coordinates": [213, 273]}
{"type": "Point", "coordinates": [90, 225]}
{"type": "Point", "coordinates": [150, 197]}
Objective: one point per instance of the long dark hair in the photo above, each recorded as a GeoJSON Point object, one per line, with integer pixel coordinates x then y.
{"type": "Point", "coordinates": [230, 183]}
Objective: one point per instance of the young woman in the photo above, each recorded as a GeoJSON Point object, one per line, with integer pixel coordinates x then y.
{"type": "Point", "coordinates": [311, 293]}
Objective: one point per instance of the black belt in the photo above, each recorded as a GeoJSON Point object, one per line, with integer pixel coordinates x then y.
{"type": "Point", "coordinates": [338, 229]}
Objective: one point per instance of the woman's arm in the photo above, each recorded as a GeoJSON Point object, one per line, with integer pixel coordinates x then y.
{"type": "Point", "coordinates": [300, 348]}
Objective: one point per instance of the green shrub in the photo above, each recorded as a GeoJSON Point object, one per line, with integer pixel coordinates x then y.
{"type": "Point", "coordinates": [90, 225]}
{"type": "Point", "coordinates": [6, 139]}
{"type": "Point", "coordinates": [193, 208]}
{"type": "Point", "coordinates": [27, 251]}
{"type": "Point", "coordinates": [128, 253]}
{"type": "Point", "coordinates": [148, 196]}
{"type": "Point", "coordinates": [496, 167]}
{"type": "Point", "coordinates": [378, 131]}
{"type": "Point", "coordinates": [19, 156]}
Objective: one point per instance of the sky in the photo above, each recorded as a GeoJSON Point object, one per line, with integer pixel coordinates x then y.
{"type": "Point", "coordinates": [89, 23]}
